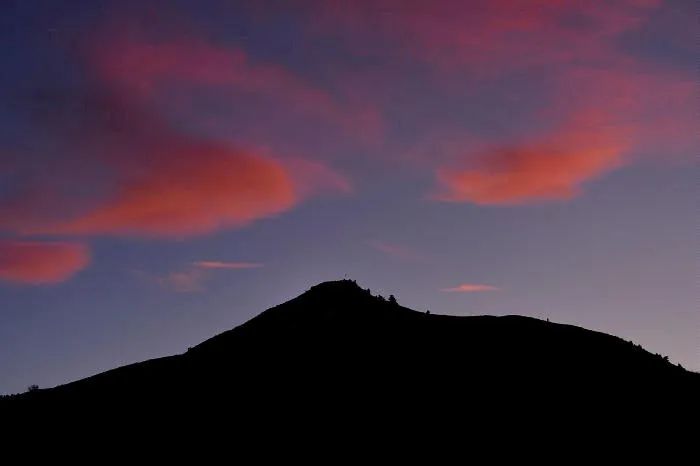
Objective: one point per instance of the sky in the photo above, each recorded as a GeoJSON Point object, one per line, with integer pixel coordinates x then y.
{"type": "Point", "coordinates": [170, 169]}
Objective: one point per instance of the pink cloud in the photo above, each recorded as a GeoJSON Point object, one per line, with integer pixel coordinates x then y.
{"type": "Point", "coordinates": [655, 106]}
{"type": "Point", "coordinates": [610, 118]}
{"type": "Point", "coordinates": [148, 69]}
{"type": "Point", "coordinates": [41, 263]}
{"type": "Point", "coordinates": [468, 288]}
{"type": "Point", "coordinates": [487, 36]}
{"type": "Point", "coordinates": [196, 188]}
{"type": "Point", "coordinates": [553, 168]}
{"type": "Point", "coordinates": [201, 188]}
{"type": "Point", "coordinates": [131, 172]}
{"type": "Point", "coordinates": [143, 66]}
{"type": "Point", "coordinates": [312, 177]}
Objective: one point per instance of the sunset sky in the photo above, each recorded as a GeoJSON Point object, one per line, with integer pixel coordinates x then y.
{"type": "Point", "coordinates": [169, 169]}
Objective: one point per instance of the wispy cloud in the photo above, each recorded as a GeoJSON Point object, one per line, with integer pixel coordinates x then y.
{"type": "Point", "coordinates": [140, 66]}
{"type": "Point", "coordinates": [394, 250]}
{"type": "Point", "coordinates": [226, 265]}
{"type": "Point", "coordinates": [182, 282]}
{"type": "Point", "coordinates": [186, 281]}
{"type": "Point", "coordinates": [194, 277]}
{"type": "Point", "coordinates": [470, 288]}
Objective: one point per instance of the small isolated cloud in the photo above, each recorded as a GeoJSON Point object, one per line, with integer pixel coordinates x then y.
{"type": "Point", "coordinates": [41, 263]}
{"type": "Point", "coordinates": [226, 265]}
{"type": "Point", "coordinates": [394, 250]}
{"type": "Point", "coordinates": [469, 288]}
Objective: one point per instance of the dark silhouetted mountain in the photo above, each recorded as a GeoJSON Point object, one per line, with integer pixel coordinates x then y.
{"type": "Point", "coordinates": [338, 353]}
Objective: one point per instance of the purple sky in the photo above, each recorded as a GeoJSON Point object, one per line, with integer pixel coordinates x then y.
{"type": "Point", "coordinates": [168, 171]}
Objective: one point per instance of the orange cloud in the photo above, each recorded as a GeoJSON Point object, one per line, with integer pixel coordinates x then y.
{"type": "Point", "coordinates": [41, 263]}
{"type": "Point", "coordinates": [554, 168]}
{"type": "Point", "coordinates": [226, 265]}
{"type": "Point", "coordinates": [471, 288]}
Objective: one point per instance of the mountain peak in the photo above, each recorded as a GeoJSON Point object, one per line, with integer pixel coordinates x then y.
{"type": "Point", "coordinates": [345, 285]}
{"type": "Point", "coordinates": [335, 297]}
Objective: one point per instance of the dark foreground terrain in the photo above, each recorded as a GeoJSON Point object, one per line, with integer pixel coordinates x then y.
{"type": "Point", "coordinates": [338, 358]}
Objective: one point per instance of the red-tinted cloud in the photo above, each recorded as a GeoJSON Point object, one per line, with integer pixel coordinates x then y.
{"type": "Point", "coordinates": [553, 168]}
{"type": "Point", "coordinates": [197, 190]}
{"type": "Point", "coordinates": [139, 173]}
{"type": "Point", "coordinates": [146, 67]}
{"type": "Point", "coordinates": [152, 178]}
{"type": "Point", "coordinates": [658, 107]}
{"type": "Point", "coordinates": [312, 177]}
{"type": "Point", "coordinates": [572, 48]}
{"type": "Point", "coordinates": [469, 288]}
{"type": "Point", "coordinates": [150, 69]}
{"type": "Point", "coordinates": [493, 35]}
{"type": "Point", "coordinates": [612, 117]}
{"type": "Point", "coordinates": [125, 170]}
{"type": "Point", "coordinates": [176, 186]}
{"type": "Point", "coordinates": [226, 265]}
{"type": "Point", "coordinates": [41, 262]}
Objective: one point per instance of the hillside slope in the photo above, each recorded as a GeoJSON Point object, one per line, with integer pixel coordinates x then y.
{"type": "Point", "coordinates": [339, 349]}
